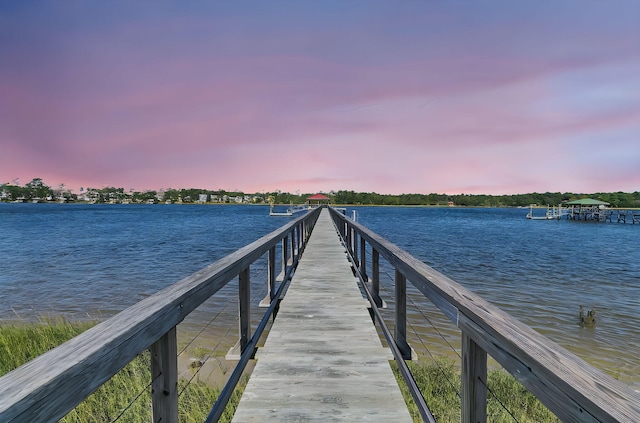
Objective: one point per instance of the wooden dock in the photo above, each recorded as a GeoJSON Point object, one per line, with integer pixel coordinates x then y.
{"type": "Point", "coordinates": [323, 360]}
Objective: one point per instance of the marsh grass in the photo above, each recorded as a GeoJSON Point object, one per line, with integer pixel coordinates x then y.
{"type": "Point", "coordinates": [116, 399]}
{"type": "Point", "coordinates": [439, 383]}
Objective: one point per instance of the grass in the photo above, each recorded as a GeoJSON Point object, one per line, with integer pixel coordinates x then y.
{"type": "Point", "coordinates": [440, 385]}
{"type": "Point", "coordinates": [116, 399]}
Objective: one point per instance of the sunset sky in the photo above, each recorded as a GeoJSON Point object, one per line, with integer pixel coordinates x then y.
{"type": "Point", "coordinates": [492, 97]}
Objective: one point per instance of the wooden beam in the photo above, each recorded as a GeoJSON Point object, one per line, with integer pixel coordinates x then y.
{"type": "Point", "coordinates": [244, 301]}
{"type": "Point", "coordinates": [356, 262]}
{"type": "Point", "coordinates": [363, 259]}
{"type": "Point", "coordinates": [271, 271]}
{"type": "Point", "coordinates": [375, 276]}
{"type": "Point", "coordinates": [285, 255]}
{"type": "Point", "coordinates": [271, 278]}
{"type": "Point", "coordinates": [400, 333]}
{"type": "Point", "coordinates": [474, 382]}
{"type": "Point", "coordinates": [164, 374]}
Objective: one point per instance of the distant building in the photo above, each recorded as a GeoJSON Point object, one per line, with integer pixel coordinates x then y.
{"type": "Point", "coordinates": [318, 199]}
{"type": "Point", "coordinates": [202, 198]}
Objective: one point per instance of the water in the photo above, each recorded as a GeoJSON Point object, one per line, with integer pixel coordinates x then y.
{"type": "Point", "coordinates": [538, 271]}
{"type": "Point", "coordinates": [91, 261]}
{"type": "Point", "coordinates": [96, 260]}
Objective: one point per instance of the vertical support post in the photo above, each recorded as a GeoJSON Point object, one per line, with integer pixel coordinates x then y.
{"type": "Point", "coordinates": [285, 255]}
{"type": "Point", "coordinates": [474, 380]}
{"type": "Point", "coordinates": [244, 297]}
{"type": "Point", "coordinates": [301, 231]}
{"type": "Point", "coordinates": [356, 262]}
{"type": "Point", "coordinates": [271, 278]}
{"type": "Point", "coordinates": [164, 373]}
{"type": "Point", "coordinates": [349, 242]}
{"type": "Point", "coordinates": [375, 276]}
{"type": "Point", "coordinates": [271, 272]}
{"type": "Point", "coordinates": [363, 259]}
{"type": "Point", "coordinates": [292, 241]}
{"type": "Point", "coordinates": [401, 316]}
{"type": "Point", "coordinates": [294, 244]}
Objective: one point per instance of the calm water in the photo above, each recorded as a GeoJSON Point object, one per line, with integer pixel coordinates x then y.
{"type": "Point", "coordinates": [95, 260]}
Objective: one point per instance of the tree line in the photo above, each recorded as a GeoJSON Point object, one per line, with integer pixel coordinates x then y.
{"type": "Point", "coordinates": [37, 190]}
{"type": "Point", "coordinates": [616, 199]}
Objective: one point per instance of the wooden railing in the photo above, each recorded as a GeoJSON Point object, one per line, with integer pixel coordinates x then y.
{"type": "Point", "coordinates": [51, 385]}
{"type": "Point", "coordinates": [570, 387]}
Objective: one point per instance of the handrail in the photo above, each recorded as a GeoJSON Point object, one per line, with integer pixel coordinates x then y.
{"type": "Point", "coordinates": [218, 408]}
{"type": "Point", "coordinates": [419, 400]}
{"type": "Point", "coordinates": [570, 387]}
{"type": "Point", "coordinates": [51, 385]}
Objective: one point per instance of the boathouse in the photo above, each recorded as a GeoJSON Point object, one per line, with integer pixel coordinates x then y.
{"type": "Point", "coordinates": [587, 209]}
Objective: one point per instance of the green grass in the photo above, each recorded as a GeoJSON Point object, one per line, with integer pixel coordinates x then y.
{"type": "Point", "coordinates": [439, 383]}
{"type": "Point", "coordinates": [20, 343]}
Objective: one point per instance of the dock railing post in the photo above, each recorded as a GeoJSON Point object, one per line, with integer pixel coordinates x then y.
{"type": "Point", "coordinates": [244, 297]}
{"type": "Point", "coordinates": [285, 258]}
{"type": "Point", "coordinates": [363, 259]}
{"type": "Point", "coordinates": [291, 247]}
{"type": "Point", "coordinates": [375, 276]}
{"type": "Point", "coordinates": [474, 382]}
{"type": "Point", "coordinates": [356, 262]}
{"type": "Point", "coordinates": [271, 264]}
{"type": "Point", "coordinates": [401, 316]}
{"type": "Point", "coordinates": [271, 278]}
{"type": "Point", "coordinates": [164, 374]}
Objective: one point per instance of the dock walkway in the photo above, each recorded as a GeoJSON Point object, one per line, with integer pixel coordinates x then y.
{"type": "Point", "coordinates": [323, 360]}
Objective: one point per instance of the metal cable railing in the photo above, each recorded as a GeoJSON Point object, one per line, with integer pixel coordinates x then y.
{"type": "Point", "coordinates": [425, 413]}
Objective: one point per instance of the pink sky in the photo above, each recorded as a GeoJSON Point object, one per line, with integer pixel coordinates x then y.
{"type": "Point", "coordinates": [493, 97]}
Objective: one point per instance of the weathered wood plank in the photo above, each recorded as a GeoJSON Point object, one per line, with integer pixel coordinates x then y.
{"type": "Point", "coordinates": [164, 376]}
{"type": "Point", "coordinates": [244, 307]}
{"type": "Point", "coordinates": [474, 382]}
{"type": "Point", "coordinates": [400, 329]}
{"type": "Point", "coordinates": [323, 360]}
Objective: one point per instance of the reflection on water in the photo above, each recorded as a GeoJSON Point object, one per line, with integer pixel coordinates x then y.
{"type": "Point", "coordinates": [91, 261]}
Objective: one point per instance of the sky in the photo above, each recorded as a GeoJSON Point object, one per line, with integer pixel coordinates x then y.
{"type": "Point", "coordinates": [413, 96]}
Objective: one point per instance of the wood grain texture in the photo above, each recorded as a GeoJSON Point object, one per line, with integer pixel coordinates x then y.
{"type": "Point", "coordinates": [164, 377]}
{"type": "Point", "coordinates": [323, 360]}
{"type": "Point", "coordinates": [474, 382]}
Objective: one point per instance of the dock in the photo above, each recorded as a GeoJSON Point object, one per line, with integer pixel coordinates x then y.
{"type": "Point", "coordinates": [323, 359]}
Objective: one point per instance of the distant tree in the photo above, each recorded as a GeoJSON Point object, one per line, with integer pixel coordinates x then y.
{"type": "Point", "coordinates": [37, 189]}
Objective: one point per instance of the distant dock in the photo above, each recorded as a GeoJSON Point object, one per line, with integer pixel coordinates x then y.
{"type": "Point", "coordinates": [587, 209]}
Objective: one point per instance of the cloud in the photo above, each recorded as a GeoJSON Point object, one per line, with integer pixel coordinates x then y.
{"type": "Point", "coordinates": [410, 98]}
